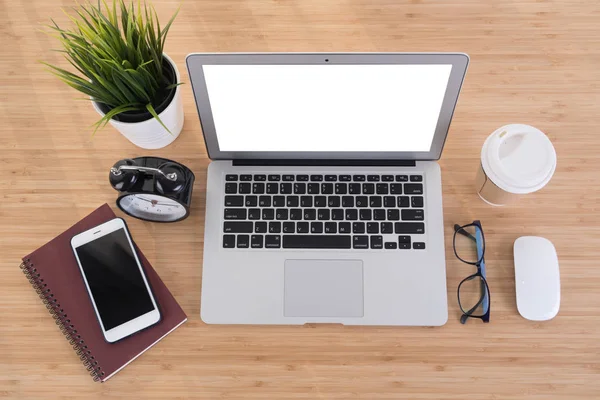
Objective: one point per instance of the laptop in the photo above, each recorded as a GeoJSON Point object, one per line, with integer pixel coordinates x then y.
{"type": "Point", "coordinates": [323, 196]}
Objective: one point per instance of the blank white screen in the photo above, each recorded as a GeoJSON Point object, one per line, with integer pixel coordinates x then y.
{"type": "Point", "coordinates": [326, 107]}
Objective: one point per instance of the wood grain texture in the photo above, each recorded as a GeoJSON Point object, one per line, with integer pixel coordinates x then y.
{"type": "Point", "coordinates": [532, 61]}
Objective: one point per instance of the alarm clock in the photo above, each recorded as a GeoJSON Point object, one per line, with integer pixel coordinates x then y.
{"type": "Point", "coordinates": [153, 188]}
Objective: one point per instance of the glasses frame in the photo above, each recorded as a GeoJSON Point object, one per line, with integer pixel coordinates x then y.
{"type": "Point", "coordinates": [480, 273]}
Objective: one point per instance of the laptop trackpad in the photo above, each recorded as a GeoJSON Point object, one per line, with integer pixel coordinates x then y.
{"type": "Point", "coordinates": [323, 288]}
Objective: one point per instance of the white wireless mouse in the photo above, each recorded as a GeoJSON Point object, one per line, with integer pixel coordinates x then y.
{"type": "Point", "coordinates": [537, 278]}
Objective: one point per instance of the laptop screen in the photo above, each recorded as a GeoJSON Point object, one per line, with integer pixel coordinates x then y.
{"type": "Point", "coordinates": [329, 108]}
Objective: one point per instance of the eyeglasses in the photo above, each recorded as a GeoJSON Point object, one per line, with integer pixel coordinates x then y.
{"type": "Point", "coordinates": [473, 291]}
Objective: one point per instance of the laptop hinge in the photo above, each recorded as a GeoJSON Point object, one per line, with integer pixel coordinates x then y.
{"type": "Point", "coordinates": [327, 163]}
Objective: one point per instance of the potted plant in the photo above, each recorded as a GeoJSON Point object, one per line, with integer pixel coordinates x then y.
{"type": "Point", "coordinates": [117, 52]}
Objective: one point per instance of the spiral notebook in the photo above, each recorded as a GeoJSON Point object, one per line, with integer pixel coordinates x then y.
{"type": "Point", "coordinates": [54, 274]}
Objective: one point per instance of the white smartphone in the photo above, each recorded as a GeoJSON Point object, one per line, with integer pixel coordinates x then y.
{"type": "Point", "coordinates": [115, 280]}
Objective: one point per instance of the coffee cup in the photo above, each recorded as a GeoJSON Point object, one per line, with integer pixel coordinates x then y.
{"type": "Point", "coordinates": [516, 159]}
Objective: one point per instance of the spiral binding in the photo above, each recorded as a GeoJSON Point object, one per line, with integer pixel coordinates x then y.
{"type": "Point", "coordinates": [60, 317]}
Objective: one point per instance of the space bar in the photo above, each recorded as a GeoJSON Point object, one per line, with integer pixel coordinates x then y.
{"type": "Point", "coordinates": [317, 241]}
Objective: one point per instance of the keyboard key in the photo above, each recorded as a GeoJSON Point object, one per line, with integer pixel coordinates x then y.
{"type": "Point", "coordinates": [316, 241]}
{"type": "Point", "coordinates": [387, 178]}
{"type": "Point", "coordinates": [231, 177]}
{"type": "Point", "coordinates": [360, 242]}
{"type": "Point", "coordinates": [379, 214]}
{"type": "Point", "coordinates": [237, 227]}
{"type": "Point", "coordinates": [358, 178]}
{"type": "Point", "coordinates": [345, 178]}
{"type": "Point", "coordinates": [416, 178]}
{"type": "Point", "coordinates": [368, 188]}
{"type": "Point", "coordinates": [245, 178]}
{"type": "Point", "coordinates": [372, 227]}
{"type": "Point", "coordinates": [376, 242]}
{"type": "Point", "coordinates": [299, 188]}
{"type": "Point", "coordinates": [306, 201]}
{"type": "Point", "coordinates": [396, 188]}
{"type": "Point", "coordinates": [302, 178]}
{"type": "Point", "coordinates": [268, 214]}
{"type": "Point", "coordinates": [330, 227]}
{"type": "Point", "coordinates": [416, 201]}
{"type": "Point", "coordinates": [292, 201]}
{"type": "Point", "coordinates": [251, 201]}
{"type": "Point", "coordinates": [389, 201]}
{"type": "Point", "coordinates": [341, 188]}
{"type": "Point", "coordinates": [281, 214]}
{"type": "Point", "coordinates": [234, 201]}
{"type": "Point", "coordinates": [409, 227]}
{"type": "Point", "coordinates": [365, 214]}
{"type": "Point", "coordinates": [260, 178]}
{"type": "Point", "coordinates": [345, 227]}
{"type": "Point", "coordinates": [358, 227]}
{"type": "Point", "coordinates": [313, 188]}
{"type": "Point", "coordinates": [316, 178]}
{"type": "Point", "coordinates": [404, 239]}
{"type": "Point", "coordinates": [231, 188]}
{"type": "Point", "coordinates": [354, 188]}
{"type": "Point", "coordinates": [288, 177]}
{"type": "Point", "coordinates": [347, 201]}
{"type": "Point", "coordinates": [256, 241]}
{"type": "Point", "coordinates": [235, 213]}
{"type": "Point", "coordinates": [272, 241]}
{"type": "Point", "coordinates": [243, 241]}
{"type": "Point", "coordinates": [413, 188]}
{"type": "Point", "coordinates": [375, 201]}
{"type": "Point", "coordinates": [401, 178]}
{"type": "Point", "coordinates": [387, 227]}
{"type": "Point", "coordinates": [302, 227]}
{"type": "Point", "coordinates": [393, 214]}
{"type": "Point", "coordinates": [316, 227]}
{"type": "Point", "coordinates": [351, 214]}
{"type": "Point", "coordinates": [260, 227]}
{"type": "Point", "coordinates": [413, 215]}
{"type": "Point", "coordinates": [320, 201]}
{"type": "Point", "coordinates": [403, 201]}
{"type": "Point", "coordinates": [419, 245]}
{"type": "Point", "coordinates": [272, 188]}
{"type": "Point", "coordinates": [275, 227]}
{"type": "Point", "coordinates": [228, 241]}
{"type": "Point", "coordinates": [274, 178]}
{"type": "Point", "coordinates": [382, 188]}
{"type": "Point", "coordinates": [245, 188]}
{"type": "Point", "coordinates": [264, 201]}
{"type": "Point", "coordinates": [330, 178]}
{"type": "Point", "coordinates": [327, 188]}
{"type": "Point", "coordinates": [289, 227]}
{"type": "Point", "coordinates": [278, 201]}
{"type": "Point", "coordinates": [404, 246]}
{"type": "Point", "coordinates": [333, 201]}
{"type": "Point", "coordinates": [337, 214]}
{"type": "Point", "coordinates": [310, 214]}
{"type": "Point", "coordinates": [295, 214]}
{"type": "Point", "coordinates": [391, 245]}
{"type": "Point", "coordinates": [285, 188]}
{"type": "Point", "coordinates": [362, 201]}
{"type": "Point", "coordinates": [373, 178]}
{"type": "Point", "coordinates": [323, 214]}
{"type": "Point", "coordinates": [254, 213]}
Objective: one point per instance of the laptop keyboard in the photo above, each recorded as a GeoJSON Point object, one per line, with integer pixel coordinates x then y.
{"type": "Point", "coordinates": [324, 211]}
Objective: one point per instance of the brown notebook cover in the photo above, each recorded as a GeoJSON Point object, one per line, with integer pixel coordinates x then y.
{"type": "Point", "coordinates": [54, 273]}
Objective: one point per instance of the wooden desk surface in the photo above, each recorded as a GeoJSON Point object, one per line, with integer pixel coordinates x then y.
{"type": "Point", "coordinates": [535, 62]}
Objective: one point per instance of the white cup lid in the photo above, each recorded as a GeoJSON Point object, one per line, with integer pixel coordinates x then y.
{"type": "Point", "coordinates": [518, 158]}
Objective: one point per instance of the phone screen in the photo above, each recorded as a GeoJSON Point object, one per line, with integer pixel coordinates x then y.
{"type": "Point", "coordinates": [114, 279]}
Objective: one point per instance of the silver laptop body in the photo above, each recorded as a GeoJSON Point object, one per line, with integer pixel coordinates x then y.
{"type": "Point", "coordinates": [324, 200]}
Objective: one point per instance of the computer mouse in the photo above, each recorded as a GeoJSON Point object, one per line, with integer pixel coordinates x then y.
{"type": "Point", "coordinates": [537, 278]}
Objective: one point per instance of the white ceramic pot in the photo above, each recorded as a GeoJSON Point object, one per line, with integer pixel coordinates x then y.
{"type": "Point", "coordinates": [150, 134]}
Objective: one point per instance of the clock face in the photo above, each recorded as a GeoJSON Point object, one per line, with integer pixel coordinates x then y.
{"type": "Point", "coordinates": [152, 207]}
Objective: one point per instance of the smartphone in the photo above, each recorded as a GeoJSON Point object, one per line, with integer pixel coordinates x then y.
{"type": "Point", "coordinates": [115, 280]}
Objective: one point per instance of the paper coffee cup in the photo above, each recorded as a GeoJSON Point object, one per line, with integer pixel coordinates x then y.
{"type": "Point", "coordinates": [515, 160]}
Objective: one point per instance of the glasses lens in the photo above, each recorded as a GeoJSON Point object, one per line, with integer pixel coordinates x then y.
{"type": "Point", "coordinates": [472, 296]}
{"type": "Point", "coordinates": [465, 243]}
